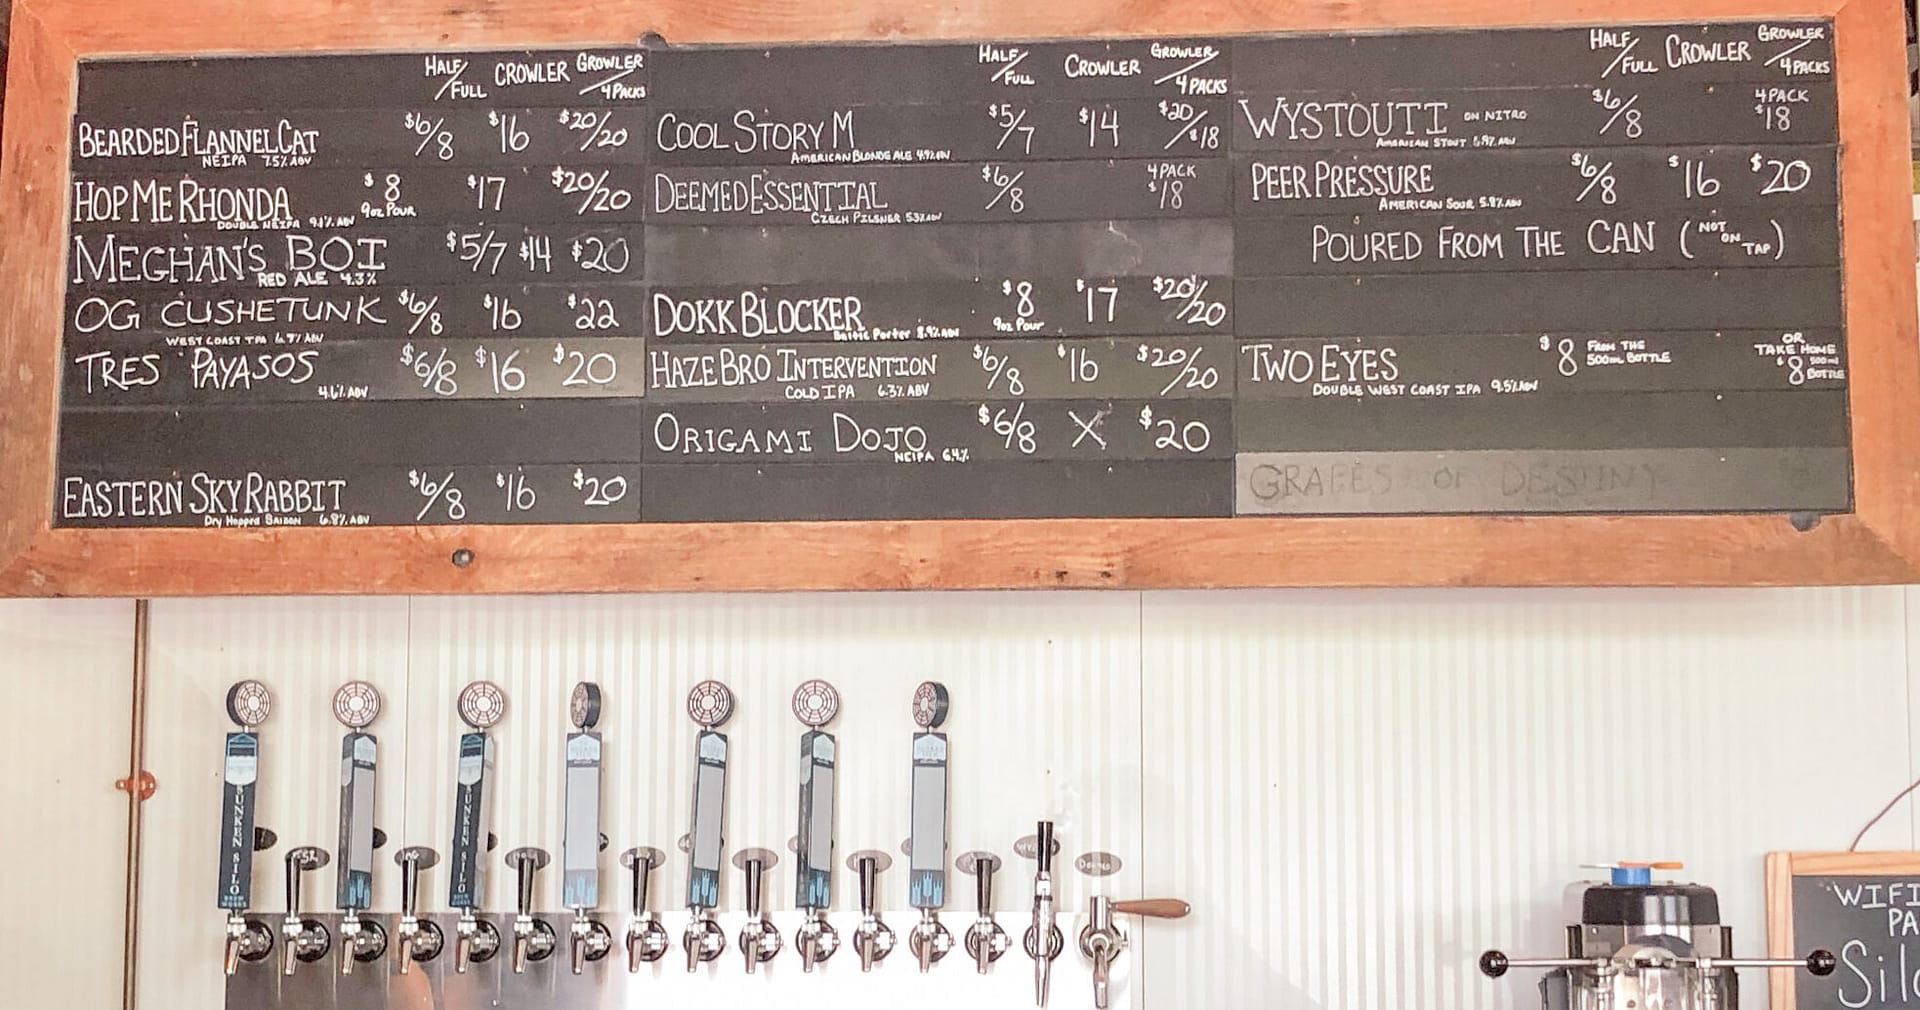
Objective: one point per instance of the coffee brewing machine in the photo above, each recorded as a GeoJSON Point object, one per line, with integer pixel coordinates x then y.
{"type": "Point", "coordinates": [1646, 944]}
{"type": "Point", "coordinates": [484, 949]}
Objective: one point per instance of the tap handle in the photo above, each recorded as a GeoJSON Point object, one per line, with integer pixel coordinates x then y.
{"type": "Point", "coordinates": [869, 871]}
{"type": "Point", "coordinates": [412, 860]}
{"type": "Point", "coordinates": [1818, 963]}
{"type": "Point", "coordinates": [640, 862]}
{"type": "Point", "coordinates": [300, 860]}
{"type": "Point", "coordinates": [756, 870]}
{"type": "Point", "coordinates": [1043, 846]}
{"type": "Point", "coordinates": [983, 889]}
{"type": "Point", "coordinates": [527, 862]}
{"type": "Point", "coordinates": [1154, 908]}
{"type": "Point", "coordinates": [1494, 964]}
{"type": "Point", "coordinates": [867, 865]}
{"type": "Point", "coordinates": [409, 887]}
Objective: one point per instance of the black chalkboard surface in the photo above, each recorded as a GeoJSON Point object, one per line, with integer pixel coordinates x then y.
{"type": "Point", "coordinates": [1530, 270]}
{"type": "Point", "coordinates": [1872, 924]}
{"type": "Point", "coordinates": [1862, 906]}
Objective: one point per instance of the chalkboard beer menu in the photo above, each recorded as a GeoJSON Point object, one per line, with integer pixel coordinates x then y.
{"type": "Point", "coordinates": [1586, 269]}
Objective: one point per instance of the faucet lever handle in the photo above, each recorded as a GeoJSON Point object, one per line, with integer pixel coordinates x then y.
{"type": "Point", "coordinates": [1154, 908]}
{"type": "Point", "coordinates": [532, 940]}
{"type": "Point", "coordinates": [759, 940]}
{"type": "Point", "coordinates": [874, 940]}
{"type": "Point", "coordinates": [646, 938]}
{"type": "Point", "coordinates": [527, 862]}
{"type": "Point", "coordinates": [302, 939]}
{"type": "Point", "coordinates": [299, 861]}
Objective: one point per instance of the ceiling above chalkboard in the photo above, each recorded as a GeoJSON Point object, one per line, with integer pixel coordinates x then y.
{"type": "Point", "coordinates": [1205, 308]}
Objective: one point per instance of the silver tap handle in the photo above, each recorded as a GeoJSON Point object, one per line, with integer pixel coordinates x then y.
{"type": "Point", "coordinates": [349, 934]}
{"type": "Point", "coordinates": [1102, 959]}
{"type": "Point", "coordinates": [579, 937]}
{"type": "Point", "coordinates": [409, 884]}
{"type": "Point", "coordinates": [755, 871]}
{"type": "Point", "coordinates": [646, 938]}
{"type": "Point", "coordinates": [235, 925]}
{"type": "Point", "coordinates": [300, 860]}
{"type": "Point", "coordinates": [1818, 963]}
{"type": "Point", "coordinates": [757, 942]}
{"type": "Point", "coordinates": [869, 873]}
{"type": "Point", "coordinates": [527, 863]}
{"type": "Point", "coordinates": [1494, 964]}
{"type": "Point", "coordinates": [411, 860]}
{"type": "Point", "coordinates": [874, 940]}
{"type": "Point", "coordinates": [293, 928]}
{"type": "Point", "coordinates": [640, 863]}
{"type": "Point", "coordinates": [1041, 936]}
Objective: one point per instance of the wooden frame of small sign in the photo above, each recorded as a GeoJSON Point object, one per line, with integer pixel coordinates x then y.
{"type": "Point", "coordinates": [1878, 542]}
{"type": "Point", "coordinates": [1782, 868]}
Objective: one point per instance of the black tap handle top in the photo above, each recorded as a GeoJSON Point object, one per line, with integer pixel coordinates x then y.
{"type": "Point", "coordinates": [1043, 846]}
{"type": "Point", "coordinates": [983, 889]}
{"type": "Point", "coordinates": [1493, 964]}
{"type": "Point", "coordinates": [869, 877]}
{"type": "Point", "coordinates": [1822, 963]}
{"type": "Point", "coordinates": [526, 868]}
{"type": "Point", "coordinates": [641, 874]}
{"type": "Point", "coordinates": [409, 884]}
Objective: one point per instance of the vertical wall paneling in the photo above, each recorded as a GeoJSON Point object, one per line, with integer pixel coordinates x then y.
{"type": "Point", "coordinates": [1045, 718]}
{"type": "Point", "coordinates": [1360, 791]}
{"type": "Point", "coordinates": [67, 667]}
{"type": "Point", "coordinates": [302, 649]}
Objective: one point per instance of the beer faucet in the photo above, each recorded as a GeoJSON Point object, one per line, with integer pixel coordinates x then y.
{"type": "Point", "coordinates": [647, 940]}
{"type": "Point", "coordinates": [1043, 940]}
{"type": "Point", "coordinates": [302, 940]}
{"type": "Point", "coordinates": [248, 705]}
{"type": "Point", "coordinates": [481, 705]}
{"type": "Point", "coordinates": [356, 705]}
{"type": "Point", "coordinates": [580, 843]}
{"type": "Point", "coordinates": [874, 938]}
{"type": "Point", "coordinates": [986, 941]}
{"type": "Point", "coordinates": [1102, 940]}
{"type": "Point", "coordinates": [710, 704]}
{"type": "Point", "coordinates": [420, 940]}
{"type": "Point", "coordinates": [759, 938]}
{"type": "Point", "coordinates": [815, 703]}
{"type": "Point", "coordinates": [533, 939]}
{"type": "Point", "coordinates": [927, 850]}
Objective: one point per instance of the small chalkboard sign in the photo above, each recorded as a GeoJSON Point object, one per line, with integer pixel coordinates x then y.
{"type": "Point", "coordinates": [1862, 906]}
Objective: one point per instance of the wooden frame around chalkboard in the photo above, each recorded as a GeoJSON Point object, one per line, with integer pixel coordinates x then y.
{"type": "Point", "coordinates": [1877, 543]}
{"type": "Point", "coordinates": [1782, 867]}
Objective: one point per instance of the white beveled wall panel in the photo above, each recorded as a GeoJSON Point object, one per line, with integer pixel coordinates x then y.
{"type": "Point", "coordinates": [1358, 791]}
{"type": "Point", "coordinates": [67, 669]}
{"type": "Point", "coordinates": [1045, 723]}
{"type": "Point", "coordinates": [1361, 791]}
{"type": "Point", "coordinates": [1045, 719]}
{"type": "Point", "coordinates": [302, 649]}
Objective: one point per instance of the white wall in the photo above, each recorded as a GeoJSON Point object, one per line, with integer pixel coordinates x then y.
{"type": "Point", "coordinates": [1358, 790]}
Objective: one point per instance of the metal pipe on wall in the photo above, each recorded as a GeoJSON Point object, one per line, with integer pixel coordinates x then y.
{"type": "Point", "coordinates": [139, 785]}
